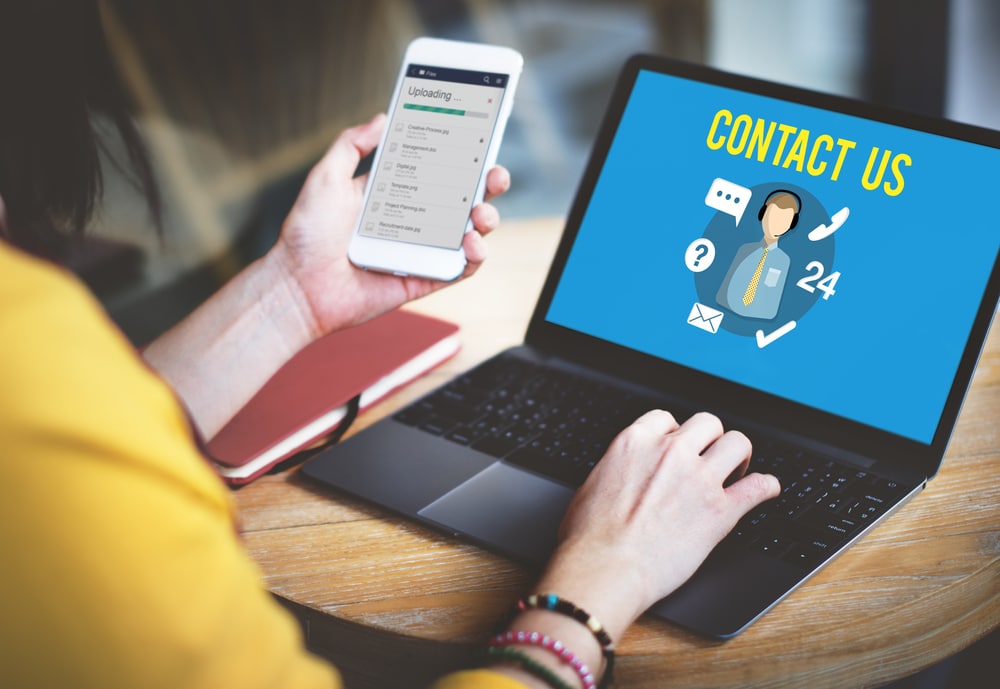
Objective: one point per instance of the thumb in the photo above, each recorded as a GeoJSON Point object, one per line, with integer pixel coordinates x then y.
{"type": "Point", "coordinates": [751, 490]}
{"type": "Point", "coordinates": [351, 146]}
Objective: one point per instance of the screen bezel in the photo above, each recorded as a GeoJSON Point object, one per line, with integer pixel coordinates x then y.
{"type": "Point", "coordinates": [724, 397]}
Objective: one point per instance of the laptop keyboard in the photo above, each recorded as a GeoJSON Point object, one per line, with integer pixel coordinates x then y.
{"type": "Point", "coordinates": [559, 425]}
{"type": "Point", "coordinates": [548, 421]}
{"type": "Point", "coordinates": [823, 504]}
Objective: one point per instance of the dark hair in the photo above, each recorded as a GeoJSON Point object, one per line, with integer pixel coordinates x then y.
{"type": "Point", "coordinates": [56, 74]}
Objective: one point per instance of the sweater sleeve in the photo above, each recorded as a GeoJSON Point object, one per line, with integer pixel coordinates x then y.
{"type": "Point", "coordinates": [477, 679]}
{"type": "Point", "coordinates": [122, 563]}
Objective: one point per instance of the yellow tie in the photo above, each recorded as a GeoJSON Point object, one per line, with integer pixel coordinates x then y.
{"type": "Point", "coordinates": [752, 287]}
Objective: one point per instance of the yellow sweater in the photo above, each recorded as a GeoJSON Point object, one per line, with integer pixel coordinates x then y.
{"type": "Point", "coordinates": [120, 563]}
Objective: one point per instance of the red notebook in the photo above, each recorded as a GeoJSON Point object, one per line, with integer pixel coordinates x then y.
{"type": "Point", "coordinates": [309, 397]}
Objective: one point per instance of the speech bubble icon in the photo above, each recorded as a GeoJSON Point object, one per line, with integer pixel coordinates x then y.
{"type": "Point", "coordinates": [728, 197]}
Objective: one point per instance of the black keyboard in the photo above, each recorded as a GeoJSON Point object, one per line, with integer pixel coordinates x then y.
{"type": "Point", "coordinates": [823, 504]}
{"type": "Point", "coordinates": [559, 425]}
{"type": "Point", "coordinates": [551, 422]}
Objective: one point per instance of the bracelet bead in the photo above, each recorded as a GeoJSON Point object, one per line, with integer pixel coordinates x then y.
{"type": "Point", "coordinates": [554, 646]}
{"type": "Point", "coordinates": [554, 603]}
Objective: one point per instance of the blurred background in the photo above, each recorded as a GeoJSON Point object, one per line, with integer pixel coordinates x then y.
{"type": "Point", "coordinates": [237, 98]}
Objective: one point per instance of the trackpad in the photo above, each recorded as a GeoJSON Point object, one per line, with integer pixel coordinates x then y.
{"type": "Point", "coordinates": [508, 509]}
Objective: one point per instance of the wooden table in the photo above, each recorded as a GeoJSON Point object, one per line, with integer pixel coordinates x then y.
{"type": "Point", "coordinates": [394, 604]}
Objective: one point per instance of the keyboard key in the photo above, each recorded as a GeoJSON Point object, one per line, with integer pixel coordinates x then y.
{"type": "Point", "coordinates": [775, 546]}
{"type": "Point", "coordinates": [463, 436]}
{"type": "Point", "coordinates": [436, 425]}
{"type": "Point", "coordinates": [496, 446]}
{"type": "Point", "coordinates": [807, 555]}
{"type": "Point", "coordinates": [547, 465]}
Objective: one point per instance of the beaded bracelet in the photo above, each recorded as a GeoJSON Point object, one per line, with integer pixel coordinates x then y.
{"type": "Point", "coordinates": [529, 665]}
{"type": "Point", "coordinates": [553, 646]}
{"type": "Point", "coordinates": [559, 605]}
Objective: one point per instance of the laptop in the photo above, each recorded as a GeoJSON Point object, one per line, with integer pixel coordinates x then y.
{"type": "Point", "coordinates": [819, 272]}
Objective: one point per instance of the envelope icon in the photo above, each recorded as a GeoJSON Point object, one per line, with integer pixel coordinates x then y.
{"type": "Point", "coordinates": [705, 317]}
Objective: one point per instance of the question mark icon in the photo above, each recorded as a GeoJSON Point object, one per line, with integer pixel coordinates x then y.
{"type": "Point", "coordinates": [699, 255]}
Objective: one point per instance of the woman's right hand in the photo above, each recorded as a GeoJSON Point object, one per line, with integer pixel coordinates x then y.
{"type": "Point", "coordinates": [647, 516]}
{"type": "Point", "coordinates": [650, 513]}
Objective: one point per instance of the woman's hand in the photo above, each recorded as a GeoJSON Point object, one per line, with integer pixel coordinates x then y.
{"type": "Point", "coordinates": [313, 244]}
{"type": "Point", "coordinates": [303, 288]}
{"type": "Point", "coordinates": [649, 514]}
{"type": "Point", "coordinates": [644, 520]}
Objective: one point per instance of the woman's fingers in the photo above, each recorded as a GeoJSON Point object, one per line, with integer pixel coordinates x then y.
{"type": "Point", "coordinates": [657, 421]}
{"type": "Point", "coordinates": [497, 182]}
{"type": "Point", "coordinates": [700, 431]}
{"type": "Point", "coordinates": [752, 490]}
{"type": "Point", "coordinates": [729, 455]}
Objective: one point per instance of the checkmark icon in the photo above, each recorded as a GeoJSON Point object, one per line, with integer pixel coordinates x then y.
{"type": "Point", "coordinates": [764, 340]}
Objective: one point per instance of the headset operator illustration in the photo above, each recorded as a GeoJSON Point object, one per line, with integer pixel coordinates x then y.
{"type": "Point", "coordinates": [756, 278]}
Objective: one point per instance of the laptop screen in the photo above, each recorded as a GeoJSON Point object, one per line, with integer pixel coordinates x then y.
{"type": "Point", "coordinates": [827, 259]}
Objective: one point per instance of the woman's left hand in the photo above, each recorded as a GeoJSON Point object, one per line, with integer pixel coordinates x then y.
{"type": "Point", "coordinates": [312, 247]}
{"type": "Point", "coordinates": [220, 355]}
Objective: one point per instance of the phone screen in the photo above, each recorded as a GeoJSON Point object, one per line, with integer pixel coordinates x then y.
{"type": "Point", "coordinates": [439, 133]}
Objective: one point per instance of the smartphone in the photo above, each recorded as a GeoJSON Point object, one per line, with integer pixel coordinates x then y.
{"type": "Point", "coordinates": [446, 118]}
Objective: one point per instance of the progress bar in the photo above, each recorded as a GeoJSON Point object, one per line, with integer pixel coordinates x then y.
{"type": "Point", "coordinates": [445, 111]}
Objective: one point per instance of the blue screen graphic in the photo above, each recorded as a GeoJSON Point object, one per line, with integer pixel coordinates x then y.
{"type": "Point", "coordinates": [862, 309]}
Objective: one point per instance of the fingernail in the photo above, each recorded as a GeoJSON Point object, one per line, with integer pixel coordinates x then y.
{"type": "Point", "coordinates": [776, 488]}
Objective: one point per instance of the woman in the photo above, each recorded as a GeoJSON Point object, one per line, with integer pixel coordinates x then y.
{"type": "Point", "coordinates": [123, 565]}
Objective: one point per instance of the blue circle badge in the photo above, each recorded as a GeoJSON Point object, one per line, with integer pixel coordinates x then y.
{"type": "Point", "coordinates": [764, 259]}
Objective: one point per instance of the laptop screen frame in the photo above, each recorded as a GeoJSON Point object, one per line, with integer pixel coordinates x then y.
{"type": "Point", "coordinates": [730, 400]}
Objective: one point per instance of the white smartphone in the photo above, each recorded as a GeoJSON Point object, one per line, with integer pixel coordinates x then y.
{"type": "Point", "coordinates": [446, 118]}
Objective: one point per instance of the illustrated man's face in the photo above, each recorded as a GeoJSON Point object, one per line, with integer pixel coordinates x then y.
{"type": "Point", "coordinates": [776, 222]}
